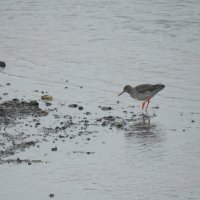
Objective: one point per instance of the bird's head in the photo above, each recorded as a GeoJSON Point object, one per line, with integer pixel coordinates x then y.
{"type": "Point", "coordinates": [127, 89]}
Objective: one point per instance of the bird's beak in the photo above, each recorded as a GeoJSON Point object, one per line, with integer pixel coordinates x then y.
{"type": "Point", "coordinates": [121, 93]}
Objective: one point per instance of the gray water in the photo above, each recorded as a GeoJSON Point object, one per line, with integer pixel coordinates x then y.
{"type": "Point", "coordinates": [102, 46]}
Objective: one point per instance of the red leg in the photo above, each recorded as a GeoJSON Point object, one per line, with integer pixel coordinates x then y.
{"type": "Point", "coordinates": [148, 101]}
{"type": "Point", "coordinates": [143, 104]}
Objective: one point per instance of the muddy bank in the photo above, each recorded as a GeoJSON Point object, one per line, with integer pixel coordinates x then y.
{"type": "Point", "coordinates": [21, 126]}
{"type": "Point", "coordinates": [11, 111]}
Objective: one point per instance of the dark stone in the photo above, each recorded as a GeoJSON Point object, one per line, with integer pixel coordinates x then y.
{"type": "Point", "coordinates": [192, 121]}
{"type": "Point", "coordinates": [54, 149]}
{"type": "Point", "coordinates": [15, 100]}
{"type": "Point", "coordinates": [104, 123]}
{"type": "Point", "coordinates": [8, 83]}
{"type": "Point", "coordinates": [80, 108]}
{"type": "Point", "coordinates": [34, 103]}
{"type": "Point", "coordinates": [48, 104]}
{"type": "Point", "coordinates": [155, 107]}
{"type": "Point", "coordinates": [19, 160]}
{"type": "Point", "coordinates": [106, 108]}
{"type": "Point", "coordinates": [88, 113]}
{"type": "Point", "coordinates": [51, 195]}
{"type": "Point", "coordinates": [2, 64]}
{"type": "Point", "coordinates": [73, 106]}
{"type": "Point", "coordinates": [109, 118]}
{"type": "Point", "coordinates": [37, 124]}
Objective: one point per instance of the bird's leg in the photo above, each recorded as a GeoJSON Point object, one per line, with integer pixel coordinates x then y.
{"type": "Point", "coordinates": [143, 104]}
{"type": "Point", "coordinates": [148, 101]}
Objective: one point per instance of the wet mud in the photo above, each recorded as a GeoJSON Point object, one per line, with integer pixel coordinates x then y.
{"type": "Point", "coordinates": [22, 126]}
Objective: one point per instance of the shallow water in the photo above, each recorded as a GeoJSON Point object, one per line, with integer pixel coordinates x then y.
{"type": "Point", "coordinates": [102, 46]}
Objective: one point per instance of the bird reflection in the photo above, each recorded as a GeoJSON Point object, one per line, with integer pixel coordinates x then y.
{"type": "Point", "coordinates": [146, 119]}
{"type": "Point", "coordinates": [143, 127]}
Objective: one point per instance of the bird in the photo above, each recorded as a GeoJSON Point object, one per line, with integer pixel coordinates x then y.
{"type": "Point", "coordinates": [143, 92]}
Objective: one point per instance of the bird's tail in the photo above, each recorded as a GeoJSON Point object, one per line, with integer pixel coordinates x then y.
{"type": "Point", "coordinates": [158, 87]}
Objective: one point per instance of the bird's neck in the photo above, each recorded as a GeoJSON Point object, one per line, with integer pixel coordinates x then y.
{"type": "Point", "coordinates": [132, 92]}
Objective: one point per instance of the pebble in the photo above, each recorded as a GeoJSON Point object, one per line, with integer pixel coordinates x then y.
{"type": "Point", "coordinates": [88, 113]}
{"type": "Point", "coordinates": [34, 103]}
{"type": "Point", "coordinates": [80, 108]}
{"type": "Point", "coordinates": [2, 64]}
{"type": "Point", "coordinates": [48, 104]}
{"type": "Point", "coordinates": [106, 108]}
{"type": "Point", "coordinates": [73, 106]}
{"type": "Point", "coordinates": [51, 195]}
{"type": "Point", "coordinates": [54, 149]}
{"type": "Point", "coordinates": [37, 124]}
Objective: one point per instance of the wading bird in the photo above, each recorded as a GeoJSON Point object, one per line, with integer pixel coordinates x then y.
{"type": "Point", "coordinates": [143, 92]}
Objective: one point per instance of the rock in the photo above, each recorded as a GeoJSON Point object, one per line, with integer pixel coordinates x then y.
{"type": "Point", "coordinates": [80, 108]}
{"type": "Point", "coordinates": [155, 107]}
{"type": "Point", "coordinates": [8, 83]}
{"type": "Point", "coordinates": [88, 113]}
{"type": "Point", "coordinates": [192, 121]}
{"type": "Point", "coordinates": [37, 124]}
{"type": "Point", "coordinates": [109, 118]}
{"type": "Point", "coordinates": [51, 195]}
{"type": "Point", "coordinates": [2, 64]}
{"type": "Point", "coordinates": [34, 103]}
{"type": "Point", "coordinates": [106, 108]}
{"type": "Point", "coordinates": [119, 125]}
{"type": "Point", "coordinates": [54, 149]}
{"type": "Point", "coordinates": [15, 100]}
{"type": "Point", "coordinates": [48, 104]}
{"type": "Point", "coordinates": [73, 106]}
{"type": "Point", "coordinates": [104, 123]}
{"type": "Point", "coordinates": [47, 98]}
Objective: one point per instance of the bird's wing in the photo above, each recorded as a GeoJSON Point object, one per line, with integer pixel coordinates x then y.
{"type": "Point", "coordinates": [144, 88]}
